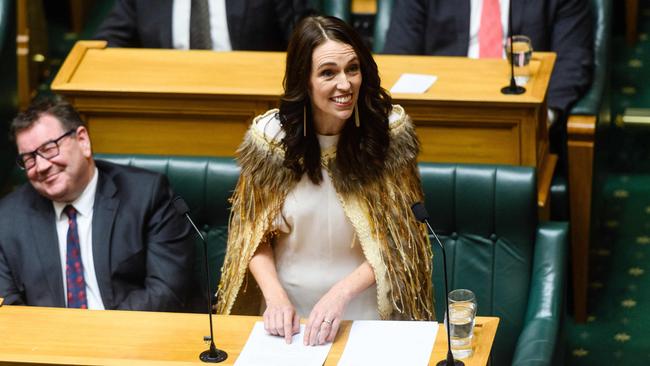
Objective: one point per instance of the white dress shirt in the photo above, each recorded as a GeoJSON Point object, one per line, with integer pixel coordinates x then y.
{"type": "Point", "coordinates": [84, 206]}
{"type": "Point", "coordinates": [476, 6]}
{"type": "Point", "coordinates": [218, 25]}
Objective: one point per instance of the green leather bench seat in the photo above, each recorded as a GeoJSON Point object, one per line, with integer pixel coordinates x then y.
{"type": "Point", "coordinates": [485, 215]}
{"type": "Point", "coordinates": [206, 185]}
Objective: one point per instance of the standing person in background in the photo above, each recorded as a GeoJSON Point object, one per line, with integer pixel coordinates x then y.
{"type": "Point", "coordinates": [85, 233]}
{"type": "Point", "coordinates": [321, 214]}
{"type": "Point", "coordinates": [220, 25]}
{"type": "Point", "coordinates": [475, 27]}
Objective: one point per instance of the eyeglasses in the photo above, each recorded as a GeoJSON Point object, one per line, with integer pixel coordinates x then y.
{"type": "Point", "coordinates": [47, 151]}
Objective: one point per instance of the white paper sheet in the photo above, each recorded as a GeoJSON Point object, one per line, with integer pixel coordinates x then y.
{"type": "Point", "coordinates": [263, 349]}
{"type": "Point", "coordinates": [413, 83]}
{"type": "Point", "coordinates": [379, 343]}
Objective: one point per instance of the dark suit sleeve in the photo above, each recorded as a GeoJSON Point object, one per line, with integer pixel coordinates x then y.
{"type": "Point", "coordinates": [169, 255]}
{"type": "Point", "coordinates": [8, 288]}
{"type": "Point", "coordinates": [407, 28]}
{"type": "Point", "coordinates": [119, 28]}
{"type": "Point", "coordinates": [572, 40]}
{"type": "Point", "coordinates": [289, 13]}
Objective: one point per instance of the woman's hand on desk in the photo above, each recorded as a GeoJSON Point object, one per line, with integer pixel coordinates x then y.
{"type": "Point", "coordinates": [281, 319]}
{"type": "Point", "coordinates": [325, 317]}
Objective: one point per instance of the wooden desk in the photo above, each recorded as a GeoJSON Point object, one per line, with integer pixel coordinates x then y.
{"type": "Point", "coordinates": [201, 102]}
{"type": "Point", "coordinates": [50, 336]}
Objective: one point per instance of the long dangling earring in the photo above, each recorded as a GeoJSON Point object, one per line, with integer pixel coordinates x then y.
{"type": "Point", "coordinates": [357, 122]}
{"type": "Point", "coordinates": [304, 121]}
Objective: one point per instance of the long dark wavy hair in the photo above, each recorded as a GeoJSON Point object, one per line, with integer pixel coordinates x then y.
{"type": "Point", "coordinates": [361, 152]}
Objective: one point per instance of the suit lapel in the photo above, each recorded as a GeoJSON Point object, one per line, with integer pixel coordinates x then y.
{"type": "Point", "coordinates": [43, 228]}
{"type": "Point", "coordinates": [463, 14]}
{"type": "Point", "coordinates": [104, 212]}
{"type": "Point", "coordinates": [235, 17]}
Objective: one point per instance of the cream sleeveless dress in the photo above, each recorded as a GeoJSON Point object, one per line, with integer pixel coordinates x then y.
{"type": "Point", "coordinates": [316, 245]}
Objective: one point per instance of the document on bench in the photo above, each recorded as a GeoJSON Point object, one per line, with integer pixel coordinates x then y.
{"type": "Point", "coordinates": [389, 343]}
{"type": "Point", "coordinates": [413, 83]}
{"type": "Point", "coordinates": [263, 349]}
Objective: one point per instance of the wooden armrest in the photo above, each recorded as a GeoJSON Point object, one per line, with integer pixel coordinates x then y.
{"type": "Point", "coordinates": [581, 132]}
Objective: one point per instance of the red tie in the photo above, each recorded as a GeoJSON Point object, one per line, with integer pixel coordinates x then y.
{"type": "Point", "coordinates": [490, 34]}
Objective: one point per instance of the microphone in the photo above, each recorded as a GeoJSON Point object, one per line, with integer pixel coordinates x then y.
{"type": "Point", "coordinates": [421, 214]}
{"type": "Point", "coordinates": [213, 355]}
{"type": "Point", "coordinates": [513, 88]}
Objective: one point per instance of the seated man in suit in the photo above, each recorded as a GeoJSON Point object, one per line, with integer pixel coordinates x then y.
{"type": "Point", "coordinates": [85, 233]}
{"type": "Point", "coordinates": [478, 28]}
{"type": "Point", "coordinates": [220, 25]}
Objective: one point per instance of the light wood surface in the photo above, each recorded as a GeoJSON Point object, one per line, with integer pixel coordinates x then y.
{"type": "Point", "coordinates": [81, 337]}
{"type": "Point", "coordinates": [581, 135]}
{"type": "Point", "coordinates": [201, 103]}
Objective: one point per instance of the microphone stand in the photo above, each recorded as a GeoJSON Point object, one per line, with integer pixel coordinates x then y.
{"type": "Point", "coordinates": [513, 88]}
{"type": "Point", "coordinates": [421, 215]}
{"type": "Point", "coordinates": [212, 355]}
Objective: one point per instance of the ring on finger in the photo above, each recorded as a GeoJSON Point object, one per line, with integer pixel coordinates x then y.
{"type": "Point", "coordinates": [328, 322]}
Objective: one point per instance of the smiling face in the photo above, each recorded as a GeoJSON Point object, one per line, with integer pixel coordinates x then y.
{"type": "Point", "coordinates": [333, 85]}
{"type": "Point", "coordinates": [63, 177]}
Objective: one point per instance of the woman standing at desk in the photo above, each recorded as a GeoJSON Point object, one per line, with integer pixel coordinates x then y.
{"type": "Point", "coordinates": [321, 213]}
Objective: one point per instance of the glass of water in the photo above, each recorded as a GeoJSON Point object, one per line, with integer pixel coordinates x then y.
{"type": "Point", "coordinates": [522, 50]}
{"type": "Point", "coordinates": [462, 309]}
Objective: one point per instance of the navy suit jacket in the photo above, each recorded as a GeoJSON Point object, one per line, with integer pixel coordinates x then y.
{"type": "Point", "coordinates": [263, 25]}
{"type": "Point", "coordinates": [441, 27]}
{"type": "Point", "coordinates": [142, 249]}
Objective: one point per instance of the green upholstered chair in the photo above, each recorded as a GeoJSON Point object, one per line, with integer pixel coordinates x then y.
{"type": "Point", "coordinates": [337, 8]}
{"type": "Point", "coordinates": [5, 8]}
{"type": "Point", "coordinates": [206, 184]}
{"type": "Point", "coordinates": [486, 217]}
{"type": "Point", "coordinates": [382, 22]}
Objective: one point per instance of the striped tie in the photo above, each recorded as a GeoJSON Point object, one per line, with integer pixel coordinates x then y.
{"type": "Point", "coordinates": [490, 34]}
{"type": "Point", "coordinates": [74, 270]}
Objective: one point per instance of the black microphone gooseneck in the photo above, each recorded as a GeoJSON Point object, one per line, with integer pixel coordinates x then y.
{"type": "Point", "coordinates": [420, 213]}
{"type": "Point", "coordinates": [213, 355]}
{"type": "Point", "coordinates": [513, 88]}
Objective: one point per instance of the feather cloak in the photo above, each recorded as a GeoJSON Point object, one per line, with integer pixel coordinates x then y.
{"type": "Point", "coordinates": [393, 242]}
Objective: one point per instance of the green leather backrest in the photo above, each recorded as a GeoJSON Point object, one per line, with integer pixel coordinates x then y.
{"type": "Point", "coordinates": [382, 22]}
{"type": "Point", "coordinates": [591, 102]}
{"type": "Point", "coordinates": [206, 184]}
{"type": "Point", "coordinates": [4, 21]}
{"type": "Point", "coordinates": [337, 8]}
{"type": "Point", "coordinates": [486, 217]}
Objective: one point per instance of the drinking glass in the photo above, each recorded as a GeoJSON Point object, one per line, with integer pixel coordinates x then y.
{"type": "Point", "coordinates": [462, 309]}
{"type": "Point", "coordinates": [522, 50]}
